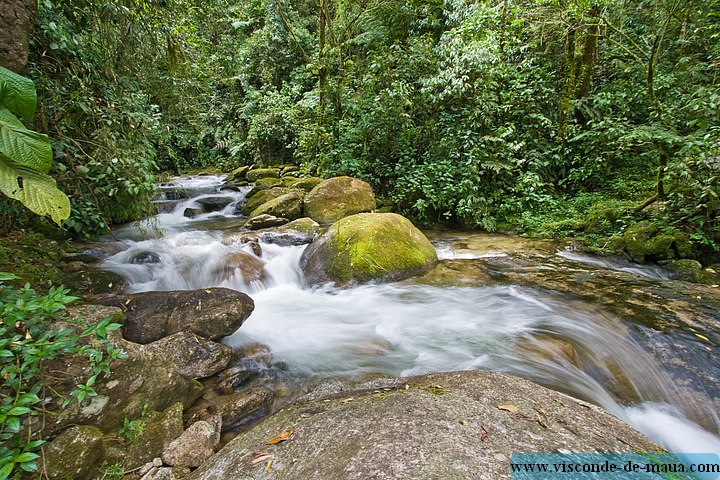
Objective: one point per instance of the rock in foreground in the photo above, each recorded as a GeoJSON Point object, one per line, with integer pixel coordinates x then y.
{"type": "Point", "coordinates": [445, 425]}
{"type": "Point", "coordinates": [368, 246]}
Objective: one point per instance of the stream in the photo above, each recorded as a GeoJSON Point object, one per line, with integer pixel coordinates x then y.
{"type": "Point", "coordinates": [623, 336]}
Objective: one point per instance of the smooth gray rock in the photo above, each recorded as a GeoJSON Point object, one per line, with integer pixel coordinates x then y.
{"type": "Point", "coordinates": [194, 446]}
{"type": "Point", "coordinates": [194, 356]}
{"type": "Point", "coordinates": [444, 426]}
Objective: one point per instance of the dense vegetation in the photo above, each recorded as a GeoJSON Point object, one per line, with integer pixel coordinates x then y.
{"type": "Point", "coordinates": [550, 117]}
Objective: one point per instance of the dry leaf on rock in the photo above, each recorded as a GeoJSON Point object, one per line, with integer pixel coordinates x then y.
{"type": "Point", "coordinates": [509, 408]}
{"type": "Point", "coordinates": [281, 437]}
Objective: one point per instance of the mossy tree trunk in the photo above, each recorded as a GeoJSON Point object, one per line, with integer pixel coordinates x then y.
{"type": "Point", "coordinates": [16, 25]}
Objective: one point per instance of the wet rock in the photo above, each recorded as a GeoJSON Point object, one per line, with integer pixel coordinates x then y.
{"type": "Point", "coordinates": [422, 431]}
{"type": "Point", "coordinates": [145, 257]}
{"type": "Point", "coordinates": [643, 241]}
{"type": "Point", "coordinates": [194, 356]}
{"type": "Point", "coordinates": [155, 432]}
{"type": "Point", "coordinates": [192, 212]}
{"type": "Point", "coordinates": [213, 204]}
{"type": "Point", "coordinates": [211, 313]}
{"type": "Point", "coordinates": [368, 246]}
{"type": "Point", "coordinates": [261, 197]}
{"type": "Point", "coordinates": [234, 379]}
{"type": "Point", "coordinates": [305, 184]}
{"type": "Point", "coordinates": [285, 206]}
{"type": "Point", "coordinates": [234, 409]}
{"type": "Point", "coordinates": [338, 197]}
{"type": "Point", "coordinates": [258, 173]}
{"type": "Point", "coordinates": [692, 271]}
{"type": "Point", "coordinates": [75, 453]}
{"type": "Point", "coordinates": [250, 267]}
{"type": "Point", "coordinates": [265, 221]}
{"type": "Point", "coordinates": [194, 446]}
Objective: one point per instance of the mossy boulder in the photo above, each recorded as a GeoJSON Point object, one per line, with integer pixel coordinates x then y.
{"type": "Point", "coordinates": [154, 433]}
{"type": "Point", "coordinates": [74, 454]}
{"type": "Point", "coordinates": [338, 197]}
{"type": "Point", "coordinates": [366, 247]}
{"type": "Point", "coordinates": [305, 184]}
{"type": "Point", "coordinates": [644, 241]}
{"type": "Point", "coordinates": [264, 184]}
{"type": "Point", "coordinates": [258, 173]}
{"type": "Point", "coordinates": [692, 271]}
{"type": "Point", "coordinates": [286, 206]}
{"type": "Point", "coordinates": [262, 196]}
{"type": "Point", "coordinates": [239, 173]}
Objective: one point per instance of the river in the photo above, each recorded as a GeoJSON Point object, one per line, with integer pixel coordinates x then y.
{"type": "Point", "coordinates": [595, 328]}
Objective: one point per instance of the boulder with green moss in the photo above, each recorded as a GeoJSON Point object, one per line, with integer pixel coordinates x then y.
{"type": "Point", "coordinates": [264, 184]}
{"type": "Point", "coordinates": [367, 247]}
{"type": "Point", "coordinates": [258, 173]}
{"type": "Point", "coordinates": [74, 454]}
{"type": "Point", "coordinates": [644, 241]}
{"type": "Point", "coordinates": [305, 184]}
{"type": "Point", "coordinates": [262, 196]}
{"type": "Point", "coordinates": [286, 206]}
{"type": "Point", "coordinates": [338, 197]}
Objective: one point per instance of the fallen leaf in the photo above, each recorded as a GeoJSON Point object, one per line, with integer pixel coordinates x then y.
{"type": "Point", "coordinates": [269, 464]}
{"type": "Point", "coordinates": [346, 400]}
{"type": "Point", "coordinates": [703, 337]}
{"type": "Point", "coordinates": [484, 434]}
{"type": "Point", "coordinates": [208, 291]}
{"type": "Point", "coordinates": [509, 408]}
{"type": "Point", "coordinates": [280, 437]}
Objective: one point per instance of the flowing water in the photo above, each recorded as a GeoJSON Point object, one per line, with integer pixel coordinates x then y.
{"type": "Point", "coordinates": [472, 321]}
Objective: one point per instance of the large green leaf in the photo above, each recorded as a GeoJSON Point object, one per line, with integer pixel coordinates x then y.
{"type": "Point", "coordinates": [24, 146]}
{"type": "Point", "coordinates": [17, 93]}
{"type": "Point", "coordinates": [36, 190]}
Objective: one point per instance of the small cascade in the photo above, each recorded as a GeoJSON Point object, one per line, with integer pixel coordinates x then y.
{"type": "Point", "coordinates": [405, 329]}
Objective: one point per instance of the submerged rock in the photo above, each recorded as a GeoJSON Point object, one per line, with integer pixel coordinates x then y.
{"type": "Point", "coordinates": [250, 267]}
{"type": "Point", "coordinates": [212, 313]}
{"type": "Point", "coordinates": [368, 246]}
{"type": "Point", "coordinates": [446, 425]}
{"type": "Point", "coordinates": [338, 197]}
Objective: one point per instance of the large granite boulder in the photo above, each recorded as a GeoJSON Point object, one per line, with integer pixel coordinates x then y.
{"type": "Point", "coordinates": [463, 425]}
{"type": "Point", "coordinates": [368, 246]}
{"type": "Point", "coordinates": [258, 173]}
{"type": "Point", "coordinates": [212, 313]}
{"type": "Point", "coordinates": [338, 197]}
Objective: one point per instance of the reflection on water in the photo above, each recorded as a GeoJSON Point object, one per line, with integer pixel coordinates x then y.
{"type": "Point", "coordinates": [405, 329]}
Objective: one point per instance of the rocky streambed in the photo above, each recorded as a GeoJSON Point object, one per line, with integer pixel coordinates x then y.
{"type": "Point", "coordinates": [351, 368]}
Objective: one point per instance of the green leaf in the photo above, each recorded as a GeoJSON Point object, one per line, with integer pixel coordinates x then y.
{"type": "Point", "coordinates": [22, 145]}
{"type": "Point", "coordinates": [17, 93]}
{"type": "Point", "coordinates": [26, 457]}
{"type": "Point", "coordinates": [4, 276]}
{"type": "Point", "coordinates": [6, 470]}
{"type": "Point", "coordinates": [19, 411]}
{"type": "Point", "coordinates": [38, 191]}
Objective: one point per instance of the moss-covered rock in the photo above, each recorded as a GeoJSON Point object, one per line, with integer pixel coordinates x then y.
{"type": "Point", "coordinates": [153, 433]}
{"type": "Point", "coordinates": [239, 173]}
{"type": "Point", "coordinates": [692, 271]}
{"type": "Point", "coordinates": [74, 454]}
{"type": "Point", "coordinates": [286, 206]}
{"type": "Point", "coordinates": [659, 247]}
{"type": "Point", "coordinates": [264, 184]}
{"type": "Point", "coordinates": [262, 196]}
{"type": "Point", "coordinates": [636, 236]}
{"type": "Point", "coordinates": [338, 197]}
{"type": "Point", "coordinates": [265, 221]}
{"type": "Point", "coordinates": [258, 173]}
{"type": "Point", "coordinates": [368, 246]}
{"type": "Point", "coordinates": [305, 184]}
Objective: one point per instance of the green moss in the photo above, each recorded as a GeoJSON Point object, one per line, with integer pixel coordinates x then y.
{"type": "Point", "coordinates": [660, 247]}
{"type": "Point", "coordinates": [262, 196]}
{"type": "Point", "coordinates": [285, 206]}
{"type": "Point", "coordinates": [636, 238]}
{"type": "Point", "coordinates": [435, 390]}
{"type": "Point", "coordinates": [259, 173]}
{"type": "Point", "coordinates": [372, 246]}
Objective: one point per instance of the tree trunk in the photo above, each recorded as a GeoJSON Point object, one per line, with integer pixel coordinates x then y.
{"type": "Point", "coordinates": [17, 18]}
